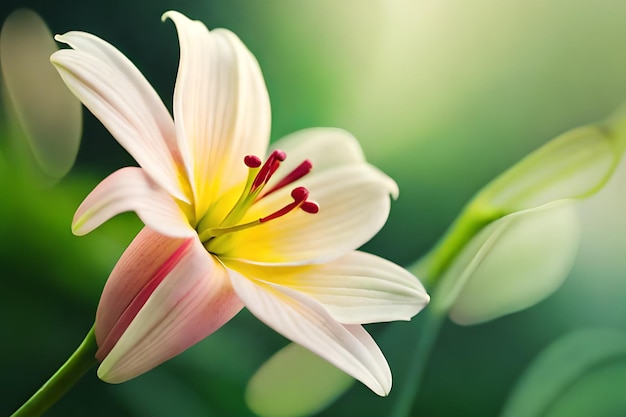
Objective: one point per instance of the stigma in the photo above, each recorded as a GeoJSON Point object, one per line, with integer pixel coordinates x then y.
{"type": "Point", "coordinates": [255, 189]}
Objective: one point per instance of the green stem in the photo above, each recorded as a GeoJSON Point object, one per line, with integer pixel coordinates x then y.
{"type": "Point", "coordinates": [471, 220]}
{"type": "Point", "coordinates": [67, 375]}
{"type": "Point", "coordinates": [432, 321]}
{"type": "Point", "coordinates": [430, 269]}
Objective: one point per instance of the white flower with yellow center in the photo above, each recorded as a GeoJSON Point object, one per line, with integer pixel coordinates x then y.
{"type": "Point", "coordinates": [225, 229]}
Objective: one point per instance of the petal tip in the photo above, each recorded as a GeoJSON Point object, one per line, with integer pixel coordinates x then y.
{"type": "Point", "coordinates": [166, 15]}
{"type": "Point", "coordinates": [78, 228]}
{"type": "Point", "coordinates": [384, 386]}
{"type": "Point", "coordinates": [105, 374]}
{"type": "Point", "coordinates": [174, 16]}
{"type": "Point", "coordinates": [394, 191]}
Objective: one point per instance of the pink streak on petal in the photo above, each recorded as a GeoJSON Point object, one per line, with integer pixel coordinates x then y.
{"type": "Point", "coordinates": [140, 299]}
{"type": "Point", "coordinates": [137, 266]}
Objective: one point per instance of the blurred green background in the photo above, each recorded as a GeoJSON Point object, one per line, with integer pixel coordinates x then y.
{"type": "Point", "coordinates": [443, 97]}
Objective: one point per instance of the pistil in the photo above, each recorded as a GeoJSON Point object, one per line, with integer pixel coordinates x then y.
{"type": "Point", "coordinates": [268, 169]}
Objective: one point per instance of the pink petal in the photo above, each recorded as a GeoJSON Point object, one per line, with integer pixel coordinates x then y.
{"type": "Point", "coordinates": [221, 108]}
{"type": "Point", "coordinates": [114, 90]}
{"type": "Point", "coordinates": [194, 298]}
{"type": "Point", "coordinates": [305, 321]}
{"type": "Point", "coordinates": [131, 189]}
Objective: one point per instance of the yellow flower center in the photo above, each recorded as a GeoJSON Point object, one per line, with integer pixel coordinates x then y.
{"type": "Point", "coordinates": [254, 190]}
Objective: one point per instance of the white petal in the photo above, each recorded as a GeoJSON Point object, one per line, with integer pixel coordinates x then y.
{"type": "Point", "coordinates": [114, 90]}
{"type": "Point", "coordinates": [354, 204]}
{"type": "Point", "coordinates": [325, 147]}
{"type": "Point", "coordinates": [192, 301]}
{"type": "Point", "coordinates": [357, 288]}
{"type": "Point", "coordinates": [131, 189]}
{"type": "Point", "coordinates": [221, 108]}
{"type": "Point", "coordinates": [306, 322]}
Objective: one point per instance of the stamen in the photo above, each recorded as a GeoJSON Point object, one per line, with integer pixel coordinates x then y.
{"type": "Point", "coordinates": [268, 169]}
{"type": "Point", "coordinates": [258, 177]}
{"type": "Point", "coordinates": [299, 195]}
{"type": "Point", "coordinates": [310, 207]}
{"type": "Point", "coordinates": [218, 231]}
{"type": "Point", "coordinates": [300, 171]}
{"type": "Point", "coordinates": [252, 161]}
{"type": "Point", "coordinates": [247, 196]}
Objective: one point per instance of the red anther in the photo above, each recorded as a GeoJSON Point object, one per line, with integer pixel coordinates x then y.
{"type": "Point", "coordinates": [300, 194]}
{"type": "Point", "coordinates": [310, 207]}
{"type": "Point", "coordinates": [252, 161]}
{"type": "Point", "coordinates": [269, 168]}
{"type": "Point", "coordinates": [278, 157]}
{"type": "Point", "coordinates": [278, 154]}
{"type": "Point", "coordinates": [300, 171]}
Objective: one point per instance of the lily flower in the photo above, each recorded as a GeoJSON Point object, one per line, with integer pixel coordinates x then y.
{"type": "Point", "coordinates": [224, 228]}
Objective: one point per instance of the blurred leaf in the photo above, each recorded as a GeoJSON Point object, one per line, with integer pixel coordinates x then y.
{"type": "Point", "coordinates": [510, 265]}
{"type": "Point", "coordinates": [48, 113]}
{"type": "Point", "coordinates": [38, 243]}
{"type": "Point", "coordinates": [582, 374]}
{"type": "Point", "coordinates": [295, 383]}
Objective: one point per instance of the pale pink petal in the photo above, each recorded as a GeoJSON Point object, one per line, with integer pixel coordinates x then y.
{"type": "Point", "coordinates": [354, 204]}
{"type": "Point", "coordinates": [221, 108]}
{"type": "Point", "coordinates": [139, 263]}
{"type": "Point", "coordinates": [131, 189]}
{"type": "Point", "coordinates": [357, 288]}
{"type": "Point", "coordinates": [114, 90]}
{"type": "Point", "coordinates": [193, 299]}
{"type": "Point", "coordinates": [306, 322]}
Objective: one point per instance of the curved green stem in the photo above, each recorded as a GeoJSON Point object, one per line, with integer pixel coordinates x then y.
{"type": "Point", "coordinates": [63, 379]}
{"type": "Point", "coordinates": [430, 269]}
{"type": "Point", "coordinates": [433, 319]}
{"type": "Point", "coordinates": [471, 220]}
